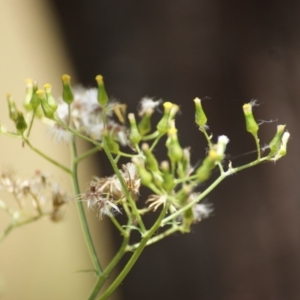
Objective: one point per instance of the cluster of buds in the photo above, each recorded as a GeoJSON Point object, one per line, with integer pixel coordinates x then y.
{"type": "Point", "coordinates": [167, 179]}
{"type": "Point", "coordinates": [174, 182]}
{"type": "Point", "coordinates": [277, 145]}
{"type": "Point", "coordinates": [87, 111]}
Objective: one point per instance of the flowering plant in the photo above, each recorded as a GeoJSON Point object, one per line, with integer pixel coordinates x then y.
{"type": "Point", "coordinates": [88, 114]}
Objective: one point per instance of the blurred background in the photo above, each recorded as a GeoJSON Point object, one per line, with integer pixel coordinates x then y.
{"type": "Point", "coordinates": [226, 52]}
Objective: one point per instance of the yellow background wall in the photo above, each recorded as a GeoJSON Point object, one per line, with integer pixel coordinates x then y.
{"type": "Point", "coordinates": [40, 260]}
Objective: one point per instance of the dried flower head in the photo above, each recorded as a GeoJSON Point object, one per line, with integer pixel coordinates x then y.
{"type": "Point", "coordinates": [104, 194]}
{"type": "Point", "coordinates": [86, 114]}
{"type": "Point", "coordinates": [156, 201]}
{"type": "Point", "coordinates": [148, 104]}
{"type": "Point", "coordinates": [37, 190]}
{"type": "Point", "coordinates": [200, 210]}
{"type": "Point", "coordinates": [59, 199]}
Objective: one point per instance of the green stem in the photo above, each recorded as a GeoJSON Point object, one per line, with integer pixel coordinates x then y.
{"type": "Point", "coordinates": [124, 187]}
{"type": "Point", "coordinates": [4, 207]}
{"type": "Point", "coordinates": [86, 154]}
{"type": "Point", "coordinates": [151, 136]}
{"type": "Point", "coordinates": [222, 176]}
{"type": "Point", "coordinates": [135, 255]}
{"type": "Point", "coordinates": [126, 154]}
{"type": "Point", "coordinates": [156, 238]}
{"type": "Point", "coordinates": [81, 213]}
{"type": "Point", "coordinates": [37, 203]}
{"type": "Point", "coordinates": [76, 133]}
{"type": "Point", "coordinates": [101, 280]}
{"type": "Point", "coordinates": [211, 146]}
{"type": "Point", "coordinates": [249, 165]}
{"type": "Point", "coordinates": [155, 142]}
{"type": "Point", "coordinates": [31, 123]}
{"type": "Point", "coordinates": [10, 134]}
{"type": "Point", "coordinates": [118, 226]}
{"type": "Point", "coordinates": [69, 114]}
{"type": "Point", "coordinates": [207, 137]}
{"type": "Point", "coordinates": [257, 143]}
{"type": "Point", "coordinates": [12, 226]}
{"type": "Point", "coordinates": [54, 162]}
{"type": "Point", "coordinates": [197, 199]}
{"type": "Point", "coordinates": [126, 234]}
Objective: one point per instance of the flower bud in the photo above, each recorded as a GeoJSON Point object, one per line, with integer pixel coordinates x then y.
{"type": "Point", "coordinates": [183, 194]}
{"type": "Point", "coordinates": [164, 124]}
{"type": "Point", "coordinates": [12, 108]}
{"type": "Point", "coordinates": [151, 162]}
{"type": "Point", "coordinates": [67, 95]}
{"type": "Point", "coordinates": [200, 117]}
{"type": "Point", "coordinates": [175, 151]}
{"type": "Point", "coordinates": [146, 177]}
{"type": "Point", "coordinates": [188, 219]}
{"type": "Point", "coordinates": [47, 109]}
{"type": "Point", "coordinates": [34, 101]}
{"type": "Point", "coordinates": [275, 144]}
{"type": "Point", "coordinates": [173, 111]}
{"type": "Point", "coordinates": [102, 95]}
{"type": "Point", "coordinates": [204, 171]}
{"type": "Point", "coordinates": [21, 124]}
{"type": "Point", "coordinates": [251, 124]}
{"type": "Point", "coordinates": [134, 135]}
{"type": "Point", "coordinates": [284, 141]}
{"type": "Point", "coordinates": [111, 144]}
{"type": "Point", "coordinates": [50, 99]}
{"type": "Point", "coordinates": [186, 164]}
{"type": "Point", "coordinates": [152, 166]}
{"type": "Point", "coordinates": [28, 94]}
{"type": "Point", "coordinates": [168, 178]}
{"type": "Point", "coordinates": [144, 125]}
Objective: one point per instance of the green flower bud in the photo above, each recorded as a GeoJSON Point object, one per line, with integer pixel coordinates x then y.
{"type": "Point", "coordinates": [183, 194]}
{"type": "Point", "coordinates": [251, 124]}
{"type": "Point", "coordinates": [50, 99]}
{"type": "Point", "coordinates": [186, 165]}
{"type": "Point", "coordinates": [134, 135]}
{"type": "Point", "coordinates": [204, 171]}
{"type": "Point", "coordinates": [174, 110]}
{"type": "Point", "coordinates": [168, 178]}
{"type": "Point", "coordinates": [28, 94]}
{"type": "Point", "coordinates": [102, 95]}
{"type": "Point", "coordinates": [188, 219]}
{"type": "Point", "coordinates": [284, 141]}
{"type": "Point", "coordinates": [12, 108]}
{"type": "Point", "coordinates": [175, 151]}
{"type": "Point", "coordinates": [21, 124]}
{"type": "Point", "coordinates": [146, 177]}
{"type": "Point", "coordinates": [111, 144]}
{"type": "Point", "coordinates": [152, 166]}
{"type": "Point", "coordinates": [47, 109]}
{"type": "Point", "coordinates": [34, 101]}
{"type": "Point", "coordinates": [164, 124]}
{"type": "Point", "coordinates": [67, 95]}
{"type": "Point", "coordinates": [151, 162]}
{"type": "Point", "coordinates": [144, 125]}
{"type": "Point", "coordinates": [275, 144]}
{"type": "Point", "coordinates": [200, 117]}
